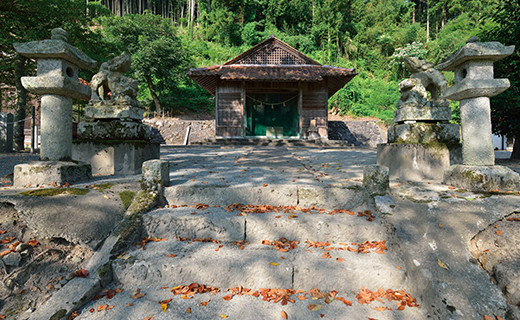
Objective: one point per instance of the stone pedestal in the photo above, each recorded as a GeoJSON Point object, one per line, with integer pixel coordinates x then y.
{"type": "Point", "coordinates": [416, 162]}
{"type": "Point", "coordinates": [57, 81]}
{"type": "Point", "coordinates": [115, 157]}
{"type": "Point", "coordinates": [423, 142]}
{"type": "Point", "coordinates": [47, 172]}
{"type": "Point", "coordinates": [113, 139]}
{"type": "Point", "coordinates": [6, 132]}
{"type": "Point", "coordinates": [474, 84]}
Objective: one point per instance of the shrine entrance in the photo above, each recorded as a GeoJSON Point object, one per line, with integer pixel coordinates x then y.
{"type": "Point", "coordinates": [272, 115]}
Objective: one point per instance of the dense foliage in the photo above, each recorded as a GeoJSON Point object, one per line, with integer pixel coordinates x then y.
{"type": "Point", "coordinates": [166, 37]}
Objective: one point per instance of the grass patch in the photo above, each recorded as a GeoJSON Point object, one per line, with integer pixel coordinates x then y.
{"type": "Point", "coordinates": [126, 197]}
{"type": "Point", "coordinates": [54, 192]}
{"type": "Point", "coordinates": [103, 186]}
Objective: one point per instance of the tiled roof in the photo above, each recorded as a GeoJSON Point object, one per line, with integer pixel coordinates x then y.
{"type": "Point", "coordinates": [303, 69]}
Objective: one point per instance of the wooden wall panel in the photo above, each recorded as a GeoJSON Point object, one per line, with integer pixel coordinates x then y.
{"type": "Point", "coordinates": [230, 109]}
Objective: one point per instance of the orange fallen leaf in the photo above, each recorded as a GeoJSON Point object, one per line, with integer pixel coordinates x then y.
{"type": "Point", "coordinates": [33, 243]}
{"type": "Point", "coordinates": [486, 317]}
{"type": "Point", "coordinates": [284, 315]}
{"type": "Point", "coordinates": [171, 255]}
{"type": "Point", "coordinates": [264, 185]}
{"type": "Point", "coordinates": [314, 307]}
{"type": "Point", "coordinates": [301, 297]}
{"type": "Point", "coordinates": [110, 294]}
{"type": "Point", "coordinates": [188, 310]}
{"type": "Point", "coordinates": [82, 273]}
{"type": "Point", "coordinates": [148, 318]}
{"type": "Point", "coordinates": [499, 233]}
{"type": "Point", "coordinates": [137, 294]}
{"type": "Point", "coordinates": [223, 316]}
{"type": "Point", "coordinates": [3, 232]}
{"type": "Point", "coordinates": [451, 188]}
{"type": "Point", "coordinates": [274, 264]}
{"type": "Point", "coordinates": [92, 310]}
{"type": "Point", "coordinates": [204, 303]}
{"type": "Point", "coordinates": [340, 259]}
{"type": "Point", "coordinates": [382, 308]}
{"type": "Point", "coordinates": [164, 307]}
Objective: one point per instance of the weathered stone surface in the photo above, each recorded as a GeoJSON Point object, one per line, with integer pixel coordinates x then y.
{"type": "Point", "coordinates": [56, 128]}
{"type": "Point", "coordinates": [408, 113]}
{"type": "Point", "coordinates": [477, 141]}
{"type": "Point", "coordinates": [492, 51]}
{"type": "Point", "coordinates": [6, 132]}
{"type": "Point", "coordinates": [482, 178]}
{"type": "Point", "coordinates": [118, 157]}
{"type": "Point", "coordinates": [46, 172]}
{"type": "Point", "coordinates": [476, 88]}
{"type": "Point", "coordinates": [376, 179]}
{"type": "Point", "coordinates": [155, 175]}
{"type": "Point", "coordinates": [56, 85]}
{"type": "Point", "coordinates": [113, 130]}
{"type": "Point", "coordinates": [12, 259]}
{"type": "Point", "coordinates": [424, 133]}
{"type": "Point", "coordinates": [52, 49]}
{"type": "Point", "coordinates": [417, 161]}
{"type": "Point", "coordinates": [110, 79]}
{"type": "Point", "coordinates": [112, 110]}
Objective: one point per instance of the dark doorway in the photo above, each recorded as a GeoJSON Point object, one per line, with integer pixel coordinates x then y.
{"type": "Point", "coordinates": [273, 115]}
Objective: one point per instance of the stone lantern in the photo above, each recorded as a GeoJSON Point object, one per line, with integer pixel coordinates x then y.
{"type": "Point", "coordinates": [474, 85]}
{"type": "Point", "coordinates": [57, 82]}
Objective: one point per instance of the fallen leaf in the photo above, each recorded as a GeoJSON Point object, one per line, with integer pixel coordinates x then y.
{"type": "Point", "coordinates": [3, 232]}
{"type": "Point", "coordinates": [106, 197]}
{"type": "Point", "coordinates": [223, 316]}
{"type": "Point", "coordinates": [137, 294]}
{"type": "Point", "coordinates": [164, 307]}
{"type": "Point", "coordinates": [148, 318]}
{"type": "Point", "coordinates": [499, 233]}
{"type": "Point", "coordinates": [274, 264]}
{"type": "Point", "coordinates": [110, 294]}
{"type": "Point", "coordinates": [205, 303]}
{"type": "Point", "coordinates": [82, 273]}
{"type": "Point", "coordinates": [33, 243]}
{"type": "Point", "coordinates": [188, 310]}
{"type": "Point", "coordinates": [264, 185]}
{"type": "Point", "coordinates": [381, 308]}
{"type": "Point", "coordinates": [442, 264]}
{"type": "Point", "coordinates": [171, 255]}
{"type": "Point", "coordinates": [486, 317]}
{"type": "Point", "coordinates": [340, 259]}
{"type": "Point", "coordinates": [314, 307]}
{"type": "Point", "coordinates": [284, 315]}
{"type": "Point", "coordinates": [129, 304]}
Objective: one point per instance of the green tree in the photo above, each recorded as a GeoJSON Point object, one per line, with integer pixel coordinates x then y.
{"type": "Point", "coordinates": [505, 108]}
{"type": "Point", "coordinates": [159, 61]}
{"type": "Point", "coordinates": [22, 21]}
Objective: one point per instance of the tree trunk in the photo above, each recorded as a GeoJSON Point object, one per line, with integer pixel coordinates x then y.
{"type": "Point", "coordinates": [413, 15]}
{"type": "Point", "coordinates": [427, 23]}
{"type": "Point", "coordinates": [516, 149]}
{"type": "Point", "coordinates": [21, 102]}
{"type": "Point", "coordinates": [157, 104]}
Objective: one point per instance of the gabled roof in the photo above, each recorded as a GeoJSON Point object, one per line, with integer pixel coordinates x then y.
{"type": "Point", "coordinates": [272, 60]}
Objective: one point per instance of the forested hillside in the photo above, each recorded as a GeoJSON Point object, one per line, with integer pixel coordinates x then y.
{"type": "Point", "coordinates": [166, 37]}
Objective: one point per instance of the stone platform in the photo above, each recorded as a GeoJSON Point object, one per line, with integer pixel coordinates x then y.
{"type": "Point", "coordinates": [482, 178]}
{"type": "Point", "coordinates": [47, 172]}
{"type": "Point", "coordinates": [418, 162]}
{"type": "Point", "coordinates": [118, 157]}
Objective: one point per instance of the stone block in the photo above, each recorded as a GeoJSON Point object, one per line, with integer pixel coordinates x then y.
{"type": "Point", "coordinates": [112, 110]}
{"type": "Point", "coordinates": [376, 179]}
{"type": "Point", "coordinates": [47, 172]}
{"type": "Point", "coordinates": [155, 175]}
{"type": "Point", "coordinates": [6, 132]}
{"type": "Point", "coordinates": [115, 157]}
{"type": "Point", "coordinates": [113, 130]}
{"type": "Point", "coordinates": [492, 51]}
{"type": "Point", "coordinates": [482, 178]}
{"type": "Point", "coordinates": [418, 161]}
{"type": "Point", "coordinates": [57, 85]}
{"type": "Point", "coordinates": [422, 114]}
{"type": "Point", "coordinates": [477, 141]}
{"type": "Point", "coordinates": [424, 133]}
{"type": "Point", "coordinates": [467, 89]}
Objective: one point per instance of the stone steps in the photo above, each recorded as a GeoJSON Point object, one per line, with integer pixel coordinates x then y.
{"type": "Point", "coordinates": [353, 197]}
{"type": "Point", "coordinates": [239, 307]}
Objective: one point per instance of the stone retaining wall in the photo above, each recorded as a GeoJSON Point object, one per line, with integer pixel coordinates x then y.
{"type": "Point", "coordinates": [361, 133]}
{"type": "Point", "coordinates": [172, 131]}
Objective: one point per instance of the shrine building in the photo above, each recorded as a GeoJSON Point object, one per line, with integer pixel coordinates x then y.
{"type": "Point", "coordinates": [272, 90]}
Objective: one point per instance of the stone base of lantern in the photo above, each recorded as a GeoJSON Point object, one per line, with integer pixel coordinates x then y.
{"type": "Point", "coordinates": [118, 157]}
{"type": "Point", "coordinates": [418, 162]}
{"type": "Point", "coordinates": [50, 172]}
{"type": "Point", "coordinates": [482, 178]}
